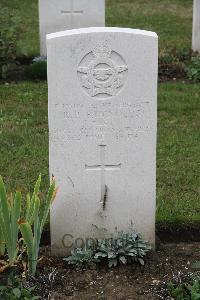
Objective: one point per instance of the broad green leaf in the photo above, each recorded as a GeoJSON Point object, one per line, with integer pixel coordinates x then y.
{"type": "Point", "coordinates": [112, 263]}
{"type": "Point", "coordinates": [141, 261]}
{"type": "Point", "coordinates": [100, 254]}
{"type": "Point", "coordinates": [123, 259]}
{"type": "Point", "coordinates": [17, 292]}
{"type": "Point", "coordinates": [196, 265]}
{"type": "Point", "coordinates": [111, 254]}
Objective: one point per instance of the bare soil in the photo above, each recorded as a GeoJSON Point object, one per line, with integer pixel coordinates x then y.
{"type": "Point", "coordinates": [58, 281]}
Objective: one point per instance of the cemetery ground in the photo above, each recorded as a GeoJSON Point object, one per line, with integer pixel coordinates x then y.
{"type": "Point", "coordinates": [24, 137]}
{"type": "Point", "coordinates": [170, 19]}
{"type": "Point", "coordinates": [24, 154]}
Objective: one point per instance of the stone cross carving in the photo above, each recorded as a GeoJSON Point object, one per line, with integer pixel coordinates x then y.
{"type": "Point", "coordinates": [103, 167]}
{"type": "Point", "coordinates": [71, 12]}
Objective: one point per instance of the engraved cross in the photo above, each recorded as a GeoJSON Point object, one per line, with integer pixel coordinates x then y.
{"type": "Point", "coordinates": [103, 167]}
{"type": "Point", "coordinates": [71, 12]}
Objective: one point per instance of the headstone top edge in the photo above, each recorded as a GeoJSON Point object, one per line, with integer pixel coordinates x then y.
{"type": "Point", "coordinates": [99, 30]}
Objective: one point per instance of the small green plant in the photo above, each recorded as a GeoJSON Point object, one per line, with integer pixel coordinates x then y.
{"type": "Point", "coordinates": [15, 290]}
{"type": "Point", "coordinates": [125, 248]}
{"type": "Point", "coordinates": [37, 70]}
{"type": "Point", "coordinates": [172, 62]}
{"type": "Point", "coordinates": [36, 216]}
{"type": "Point", "coordinates": [193, 69]}
{"type": "Point", "coordinates": [81, 256]}
{"type": "Point", "coordinates": [10, 208]}
{"type": "Point", "coordinates": [186, 289]}
{"type": "Point", "coordinates": [8, 39]}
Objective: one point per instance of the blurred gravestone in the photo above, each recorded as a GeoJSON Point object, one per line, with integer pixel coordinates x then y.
{"type": "Point", "coordinates": [196, 26]}
{"type": "Point", "coordinates": [58, 15]}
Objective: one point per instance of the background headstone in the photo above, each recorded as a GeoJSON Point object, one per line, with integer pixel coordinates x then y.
{"type": "Point", "coordinates": [102, 125]}
{"type": "Point", "coordinates": [196, 26]}
{"type": "Point", "coordinates": [58, 15]}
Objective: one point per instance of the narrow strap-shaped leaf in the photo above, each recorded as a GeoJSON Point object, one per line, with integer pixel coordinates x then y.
{"type": "Point", "coordinates": [32, 210]}
{"type": "Point", "coordinates": [3, 227]}
{"type": "Point", "coordinates": [36, 227]}
{"type": "Point", "coordinates": [36, 189]}
{"type": "Point", "coordinates": [2, 241]}
{"type": "Point", "coordinates": [16, 212]}
{"type": "Point", "coordinates": [10, 203]}
{"type": "Point", "coordinates": [28, 207]}
{"type": "Point", "coordinates": [37, 239]}
{"type": "Point", "coordinates": [5, 211]}
{"type": "Point", "coordinates": [27, 235]}
{"type": "Point", "coordinates": [15, 217]}
{"type": "Point", "coordinates": [33, 199]}
{"type": "Point", "coordinates": [4, 202]}
{"type": "Point", "coordinates": [48, 203]}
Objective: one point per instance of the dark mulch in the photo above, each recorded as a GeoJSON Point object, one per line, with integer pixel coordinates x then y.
{"type": "Point", "coordinates": [56, 280]}
{"type": "Point", "coordinates": [166, 73]}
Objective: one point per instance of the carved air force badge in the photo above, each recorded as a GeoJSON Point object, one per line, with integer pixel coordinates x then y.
{"type": "Point", "coordinates": [102, 72]}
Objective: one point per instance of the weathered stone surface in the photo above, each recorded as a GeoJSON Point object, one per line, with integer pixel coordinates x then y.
{"type": "Point", "coordinates": [102, 125]}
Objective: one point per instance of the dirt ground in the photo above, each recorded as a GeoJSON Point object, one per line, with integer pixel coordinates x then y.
{"type": "Point", "coordinates": [58, 281]}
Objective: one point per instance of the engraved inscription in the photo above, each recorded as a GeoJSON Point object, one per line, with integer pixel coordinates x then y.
{"type": "Point", "coordinates": [102, 72]}
{"type": "Point", "coordinates": [102, 112]}
{"type": "Point", "coordinates": [97, 134]}
{"type": "Point", "coordinates": [102, 121]}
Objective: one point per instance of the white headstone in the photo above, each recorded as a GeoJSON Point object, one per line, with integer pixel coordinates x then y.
{"type": "Point", "coordinates": [102, 125]}
{"type": "Point", "coordinates": [196, 26]}
{"type": "Point", "coordinates": [58, 15]}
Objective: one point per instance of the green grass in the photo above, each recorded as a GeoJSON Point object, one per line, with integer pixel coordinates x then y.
{"type": "Point", "coordinates": [178, 164]}
{"type": "Point", "coordinates": [23, 134]}
{"type": "Point", "coordinates": [24, 144]}
{"type": "Point", "coordinates": [26, 11]}
{"type": "Point", "coordinates": [171, 19]}
{"type": "Point", "coordinates": [23, 108]}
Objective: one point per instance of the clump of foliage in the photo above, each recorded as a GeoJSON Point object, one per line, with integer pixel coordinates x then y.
{"type": "Point", "coordinates": [8, 39]}
{"type": "Point", "coordinates": [126, 248]}
{"type": "Point", "coordinates": [36, 216]}
{"type": "Point", "coordinates": [81, 257]}
{"type": "Point", "coordinates": [10, 209]}
{"type": "Point", "coordinates": [38, 69]}
{"type": "Point", "coordinates": [193, 69]}
{"type": "Point", "coordinates": [15, 290]}
{"type": "Point", "coordinates": [186, 288]}
{"type": "Point", "coordinates": [31, 224]}
{"type": "Point", "coordinates": [172, 62]}
{"type": "Point", "coordinates": [179, 63]}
